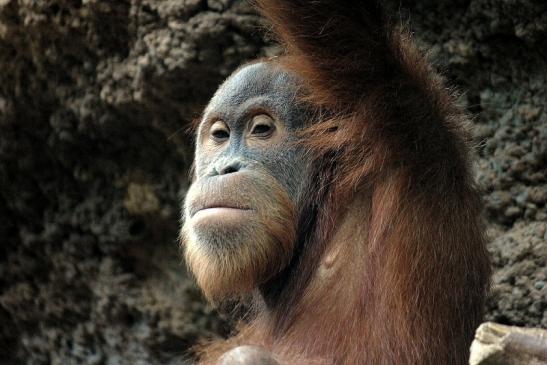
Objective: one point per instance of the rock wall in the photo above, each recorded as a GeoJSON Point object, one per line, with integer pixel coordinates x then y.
{"type": "Point", "coordinates": [95, 100]}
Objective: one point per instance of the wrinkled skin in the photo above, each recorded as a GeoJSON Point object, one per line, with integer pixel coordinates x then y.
{"type": "Point", "coordinates": [241, 212]}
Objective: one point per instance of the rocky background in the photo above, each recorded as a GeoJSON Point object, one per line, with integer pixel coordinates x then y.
{"type": "Point", "coordinates": [95, 100]}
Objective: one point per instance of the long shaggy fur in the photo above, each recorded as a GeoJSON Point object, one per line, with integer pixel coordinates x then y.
{"type": "Point", "coordinates": [415, 271]}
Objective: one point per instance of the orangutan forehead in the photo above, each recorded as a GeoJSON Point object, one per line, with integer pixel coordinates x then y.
{"type": "Point", "coordinates": [263, 80]}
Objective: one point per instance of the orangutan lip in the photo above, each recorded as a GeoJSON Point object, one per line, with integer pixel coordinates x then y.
{"type": "Point", "coordinates": [219, 206]}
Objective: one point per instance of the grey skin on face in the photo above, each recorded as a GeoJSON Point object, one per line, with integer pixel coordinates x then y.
{"type": "Point", "coordinates": [241, 211]}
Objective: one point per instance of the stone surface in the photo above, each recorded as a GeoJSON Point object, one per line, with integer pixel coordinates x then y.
{"type": "Point", "coordinates": [95, 102]}
{"type": "Point", "coordinates": [496, 344]}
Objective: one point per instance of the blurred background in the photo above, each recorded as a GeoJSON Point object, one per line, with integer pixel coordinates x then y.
{"type": "Point", "coordinates": [95, 100]}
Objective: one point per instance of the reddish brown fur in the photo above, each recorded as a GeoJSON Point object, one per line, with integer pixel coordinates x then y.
{"type": "Point", "coordinates": [255, 258]}
{"type": "Point", "coordinates": [395, 270]}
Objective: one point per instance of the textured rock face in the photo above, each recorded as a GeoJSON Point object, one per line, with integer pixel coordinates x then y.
{"type": "Point", "coordinates": [95, 99]}
{"type": "Point", "coordinates": [497, 344]}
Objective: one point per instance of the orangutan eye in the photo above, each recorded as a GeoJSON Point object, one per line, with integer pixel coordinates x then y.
{"type": "Point", "coordinates": [262, 125]}
{"type": "Point", "coordinates": [220, 132]}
